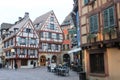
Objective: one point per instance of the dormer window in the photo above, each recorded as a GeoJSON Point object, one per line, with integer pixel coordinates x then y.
{"type": "Point", "coordinates": [15, 29]}
{"type": "Point", "coordinates": [51, 19]}
{"type": "Point", "coordinates": [36, 26]}
{"type": "Point", "coordinates": [11, 32]}
{"type": "Point", "coordinates": [28, 30]}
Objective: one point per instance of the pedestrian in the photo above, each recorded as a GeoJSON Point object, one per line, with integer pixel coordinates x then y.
{"type": "Point", "coordinates": [16, 66]}
{"type": "Point", "coordinates": [34, 64]}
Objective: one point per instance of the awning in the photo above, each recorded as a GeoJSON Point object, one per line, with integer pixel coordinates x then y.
{"type": "Point", "coordinates": [74, 50]}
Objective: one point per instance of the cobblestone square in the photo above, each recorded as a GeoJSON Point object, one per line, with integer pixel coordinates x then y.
{"type": "Point", "coordinates": [34, 74]}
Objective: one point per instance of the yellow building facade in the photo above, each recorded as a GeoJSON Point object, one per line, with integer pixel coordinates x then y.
{"type": "Point", "coordinates": [100, 38]}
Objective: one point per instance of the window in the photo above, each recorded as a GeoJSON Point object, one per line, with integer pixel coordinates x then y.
{"type": "Point", "coordinates": [28, 30]}
{"type": "Point", "coordinates": [97, 63]}
{"type": "Point", "coordinates": [52, 26]}
{"type": "Point", "coordinates": [11, 41]}
{"type": "Point", "coordinates": [32, 52]}
{"type": "Point", "coordinates": [93, 23]}
{"type": "Point", "coordinates": [24, 62]}
{"type": "Point", "coordinates": [33, 41]}
{"type": "Point", "coordinates": [67, 36]}
{"type": "Point", "coordinates": [41, 35]}
{"type": "Point", "coordinates": [22, 52]}
{"type": "Point", "coordinates": [56, 47]}
{"type": "Point", "coordinates": [57, 36]}
{"type": "Point", "coordinates": [86, 2]}
{"type": "Point", "coordinates": [51, 19]}
{"type": "Point", "coordinates": [63, 48]}
{"type": "Point", "coordinates": [22, 41]}
{"type": "Point", "coordinates": [36, 25]}
{"type": "Point", "coordinates": [67, 46]}
{"type": "Point", "coordinates": [50, 35]}
{"type": "Point", "coordinates": [7, 43]}
{"type": "Point", "coordinates": [108, 17]}
{"type": "Point", "coordinates": [15, 30]}
{"type": "Point", "coordinates": [49, 46]}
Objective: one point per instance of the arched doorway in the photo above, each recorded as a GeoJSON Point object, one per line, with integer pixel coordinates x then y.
{"type": "Point", "coordinates": [54, 59]}
{"type": "Point", "coordinates": [66, 59]}
{"type": "Point", "coordinates": [42, 60]}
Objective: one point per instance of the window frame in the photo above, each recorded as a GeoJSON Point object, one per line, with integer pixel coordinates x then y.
{"type": "Point", "coordinates": [52, 26]}
{"type": "Point", "coordinates": [28, 30]}
{"type": "Point", "coordinates": [108, 17]}
{"type": "Point", "coordinates": [98, 61]}
{"type": "Point", "coordinates": [93, 25]}
{"type": "Point", "coordinates": [98, 51]}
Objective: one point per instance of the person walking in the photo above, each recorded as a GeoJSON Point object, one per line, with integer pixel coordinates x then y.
{"type": "Point", "coordinates": [34, 64]}
{"type": "Point", "coordinates": [16, 66]}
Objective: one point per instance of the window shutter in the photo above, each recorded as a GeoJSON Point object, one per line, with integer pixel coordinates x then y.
{"type": "Point", "coordinates": [105, 16]}
{"type": "Point", "coordinates": [25, 41]}
{"type": "Point", "coordinates": [95, 23]}
{"type": "Point", "coordinates": [91, 24]}
{"type": "Point", "coordinates": [111, 16]}
{"type": "Point", "coordinates": [86, 2]}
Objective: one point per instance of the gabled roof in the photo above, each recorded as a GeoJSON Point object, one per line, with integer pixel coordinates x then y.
{"type": "Point", "coordinates": [6, 25]}
{"type": "Point", "coordinates": [41, 19]}
{"type": "Point", "coordinates": [19, 25]}
{"type": "Point", "coordinates": [68, 20]}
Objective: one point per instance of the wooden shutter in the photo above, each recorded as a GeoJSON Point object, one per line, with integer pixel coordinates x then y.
{"type": "Point", "coordinates": [105, 16]}
{"type": "Point", "coordinates": [86, 2]}
{"type": "Point", "coordinates": [95, 23]}
{"type": "Point", "coordinates": [111, 16]}
{"type": "Point", "coordinates": [91, 24]}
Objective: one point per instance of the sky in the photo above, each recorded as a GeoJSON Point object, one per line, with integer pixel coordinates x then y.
{"type": "Point", "coordinates": [10, 10]}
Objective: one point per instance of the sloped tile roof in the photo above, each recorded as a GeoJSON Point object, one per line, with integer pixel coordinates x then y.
{"type": "Point", "coordinates": [6, 25]}
{"type": "Point", "coordinates": [41, 19]}
{"type": "Point", "coordinates": [67, 20]}
{"type": "Point", "coordinates": [19, 25]}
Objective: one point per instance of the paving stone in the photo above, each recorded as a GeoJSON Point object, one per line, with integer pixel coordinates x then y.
{"type": "Point", "coordinates": [34, 74]}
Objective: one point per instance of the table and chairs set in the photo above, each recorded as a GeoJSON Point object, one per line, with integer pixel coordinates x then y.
{"type": "Point", "coordinates": [61, 70]}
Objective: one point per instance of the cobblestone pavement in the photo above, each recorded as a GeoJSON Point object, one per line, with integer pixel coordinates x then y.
{"type": "Point", "coordinates": [34, 74]}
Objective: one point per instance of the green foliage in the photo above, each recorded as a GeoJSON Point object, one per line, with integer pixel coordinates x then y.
{"type": "Point", "coordinates": [91, 36]}
{"type": "Point", "coordinates": [108, 30]}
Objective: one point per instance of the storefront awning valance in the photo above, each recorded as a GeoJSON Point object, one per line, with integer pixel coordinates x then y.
{"type": "Point", "coordinates": [74, 50]}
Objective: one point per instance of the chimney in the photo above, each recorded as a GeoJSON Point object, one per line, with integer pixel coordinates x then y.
{"type": "Point", "coordinates": [26, 15]}
{"type": "Point", "coordinates": [19, 18]}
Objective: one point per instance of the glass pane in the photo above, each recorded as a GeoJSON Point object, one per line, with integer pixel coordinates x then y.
{"type": "Point", "coordinates": [111, 16]}
{"type": "Point", "coordinates": [95, 23]}
{"type": "Point", "coordinates": [105, 16]}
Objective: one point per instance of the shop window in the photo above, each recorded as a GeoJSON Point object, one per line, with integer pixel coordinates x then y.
{"type": "Point", "coordinates": [24, 62]}
{"type": "Point", "coordinates": [31, 62]}
{"type": "Point", "coordinates": [97, 63]}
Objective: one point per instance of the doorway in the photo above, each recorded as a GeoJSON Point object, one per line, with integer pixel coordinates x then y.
{"type": "Point", "coordinates": [43, 60]}
{"type": "Point", "coordinates": [66, 59]}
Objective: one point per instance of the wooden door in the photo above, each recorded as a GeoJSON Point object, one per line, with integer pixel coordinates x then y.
{"type": "Point", "coordinates": [43, 60]}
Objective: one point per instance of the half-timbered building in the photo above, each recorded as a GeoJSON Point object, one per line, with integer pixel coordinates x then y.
{"type": "Point", "coordinates": [100, 38]}
{"type": "Point", "coordinates": [21, 44]}
{"type": "Point", "coordinates": [51, 38]}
